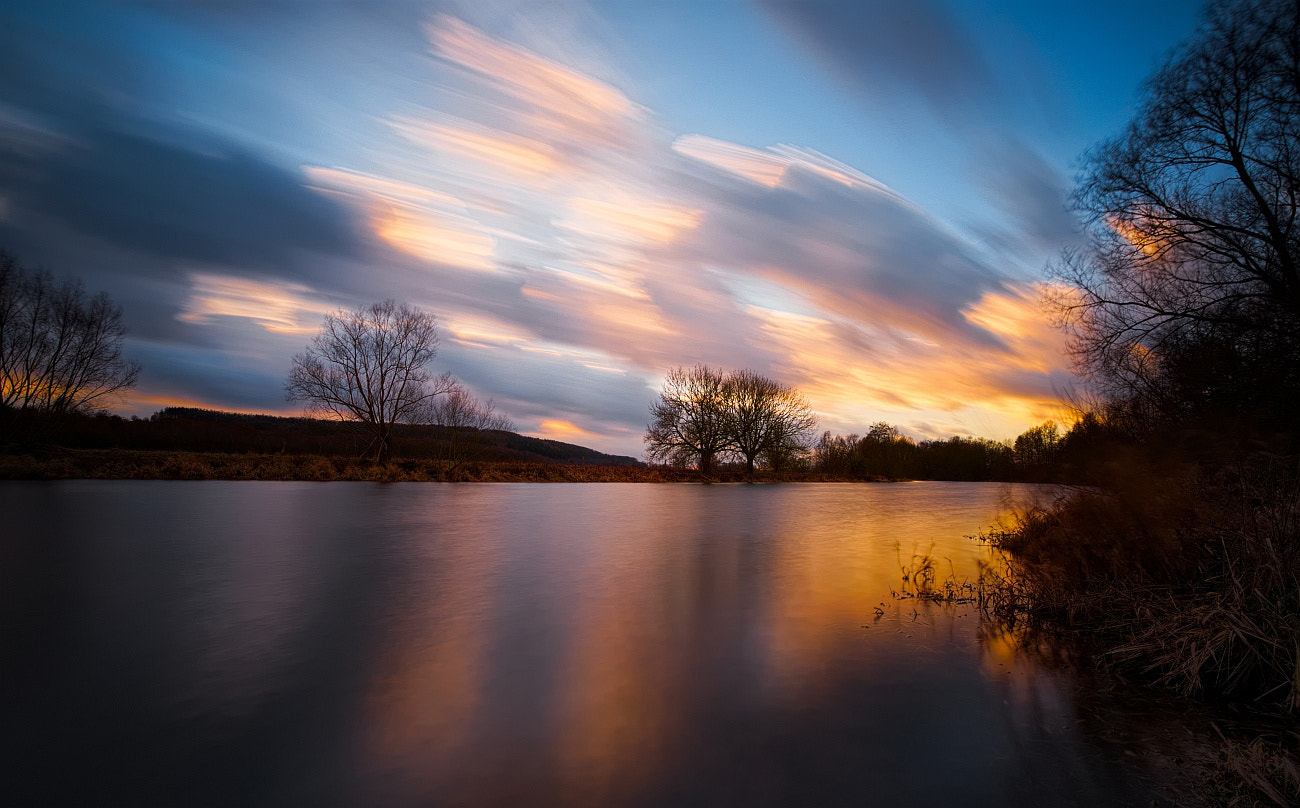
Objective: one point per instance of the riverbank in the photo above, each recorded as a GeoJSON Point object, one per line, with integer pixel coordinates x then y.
{"type": "Point", "coordinates": [134, 464]}
{"type": "Point", "coordinates": [1181, 577]}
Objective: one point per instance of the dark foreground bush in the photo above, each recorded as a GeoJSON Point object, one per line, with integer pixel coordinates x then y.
{"type": "Point", "coordinates": [1188, 578]}
{"type": "Point", "coordinates": [1183, 577]}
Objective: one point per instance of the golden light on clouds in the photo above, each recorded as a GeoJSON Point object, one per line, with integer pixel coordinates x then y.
{"type": "Point", "coordinates": [562, 430]}
{"type": "Point", "coordinates": [436, 237]}
{"type": "Point", "coordinates": [855, 380]}
{"type": "Point", "coordinates": [618, 261]}
{"type": "Point", "coordinates": [1149, 244]}
{"type": "Point", "coordinates": [755, 165]}
{"type": "Point", "coordinates": [523, 157]}
{"type": "Point", "coordinates": [562, 95]}
{"type": "Point", "coordinates": [282, 308]}
{"type": "Point", "coordinates": [621, 215]}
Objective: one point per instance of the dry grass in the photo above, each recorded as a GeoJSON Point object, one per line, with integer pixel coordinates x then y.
{"type": "Point", "coordinates": [1189, 581]}
{"type": "Point", "coordinates": [1259, 774]}
{"type": "Point", "coordinates": [131, 464]}
{"type": "Point", "coordinates": [1193, 584]}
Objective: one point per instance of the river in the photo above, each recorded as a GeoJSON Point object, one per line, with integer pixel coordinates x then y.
{"type": "Point", "coordinates": [282, 644]}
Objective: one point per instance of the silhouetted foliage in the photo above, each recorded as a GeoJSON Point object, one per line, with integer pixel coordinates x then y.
{"type": "Point", "coordinates": [1187, 304]}
{"type": "Point", "coordinates": [689, 423]}
{"type": "Point", "coordinates": [884, 452]}
{"type": "Point", "coordinates": [60, 351]}
{"type": "Point", "coordinates": [465, 423]}
{"type": "Point", "coordinates": [705, 415]}
{"type": "Point", "coordinates": [370, 367]}
{"type": "Point", "coordinates": [1037, 452]}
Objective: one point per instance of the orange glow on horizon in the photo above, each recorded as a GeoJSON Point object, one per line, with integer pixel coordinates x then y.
{"type": "Point", "coordinates": [562, 430]}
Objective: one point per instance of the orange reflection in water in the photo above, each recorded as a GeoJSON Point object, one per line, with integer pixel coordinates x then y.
{"type": "Point", "coordinates": [430, 678]}
{"type": "Point", "coordinates": [563, 648]}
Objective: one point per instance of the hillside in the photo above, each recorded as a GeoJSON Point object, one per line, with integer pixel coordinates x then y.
{"type": "Point", "coordinates": [199, 430]}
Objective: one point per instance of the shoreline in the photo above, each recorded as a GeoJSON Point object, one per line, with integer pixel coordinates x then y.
{"type": "Point", "coordinates": [57, 463]}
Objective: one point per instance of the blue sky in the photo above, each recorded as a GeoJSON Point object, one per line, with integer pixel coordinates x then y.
{"type": "Point", "coordinates": [857, 198]}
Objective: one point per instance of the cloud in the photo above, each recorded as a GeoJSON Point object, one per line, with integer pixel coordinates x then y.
{"type": "Point", "coordinates": [883, 48]}
{"type": "Point", "coordinates": [207, 202]}
{"type": "Point", "coordinates": [283, 308]}
{"type": "Point", "coordinates": [573, 249]}
{"type": "Point", "coordinates": [560, 104]}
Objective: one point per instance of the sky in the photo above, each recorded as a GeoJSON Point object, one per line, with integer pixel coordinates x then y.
{"type": "Point", "coordinates": [859, 198]}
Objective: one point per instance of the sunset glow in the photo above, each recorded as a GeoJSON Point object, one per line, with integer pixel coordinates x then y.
{"type": "Point", "coordinates": [584, 201]}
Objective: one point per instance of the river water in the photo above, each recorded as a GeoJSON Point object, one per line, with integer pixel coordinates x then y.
{"type": "Point", "coordinates": [283, 644]}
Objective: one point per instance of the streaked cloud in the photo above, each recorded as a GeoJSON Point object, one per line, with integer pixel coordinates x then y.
{"type": "Point", "coordinates": [558, 102]}
{"type": "Point", "coordinates": [572, 246]}
{"type": "Point", "coordinates": [283, 308]}
{"type": "Point", "coordinates": [755, 165]}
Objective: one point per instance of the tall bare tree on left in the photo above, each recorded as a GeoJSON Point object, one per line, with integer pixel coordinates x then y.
{"type": "Point", "coordinates": [60, 351]}
{"type": "Point", "coordinates": [370, 366]}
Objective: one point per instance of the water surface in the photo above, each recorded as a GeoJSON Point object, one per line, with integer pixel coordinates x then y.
{"type": "Point", "coordinates": [278, 644]}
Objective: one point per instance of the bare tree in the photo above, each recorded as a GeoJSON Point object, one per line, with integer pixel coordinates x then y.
{"type": "Point", "coordinates": [1193, 209]}
{"type": "Point", "coordinates": [59, 350]}
{"type": "Point", "coordinates": [690, 422]}
{"type": "Point", "coordinates": [765, 417]}
{"type": "Point", "coordinates": [703, 414]}
{"type": "Point", "coordinates": [465, 423]}
{"type": "Point", "coordinates": [370, 366]}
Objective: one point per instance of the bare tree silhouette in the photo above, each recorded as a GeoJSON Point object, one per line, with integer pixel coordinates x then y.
{"type": "Point", "coordinates": [370, 366]}
{"type": "Point", "coordinates": [60, 351]}
{"type": "Point", "coordinates": [766, 418]}
{"type": "Point", "coordinates": [1193, 214]}
{"type": "Point", "coordinates": [689, 423]}
{"type": "Point", "coordinates": [703, 414]}
{"type": "Point", "coordinates": [465, 422]}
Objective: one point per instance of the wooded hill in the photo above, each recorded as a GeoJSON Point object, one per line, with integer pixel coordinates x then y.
{"type": "Point", "coordinates": [186, 429]}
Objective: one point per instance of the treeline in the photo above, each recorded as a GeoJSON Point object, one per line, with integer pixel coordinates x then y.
{"type": "Point", "coordinates": [1043, 454]}
{"type": "Point", "coordinates": [719, 421]}
{"type": "Point", "coordinates": [185, 429]}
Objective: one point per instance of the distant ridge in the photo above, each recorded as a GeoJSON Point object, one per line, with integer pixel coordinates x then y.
{"type": "Point", "coordinates": [264, 430]}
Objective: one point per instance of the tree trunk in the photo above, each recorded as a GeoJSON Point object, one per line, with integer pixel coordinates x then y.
{"type": "Point", "coordinates": [384, 450]}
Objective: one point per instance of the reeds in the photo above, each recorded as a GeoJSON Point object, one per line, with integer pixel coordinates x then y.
{"type": "Point", "coordinates": [1191, 582]}
{"type": "Point", "coordinates": [1187, 580]}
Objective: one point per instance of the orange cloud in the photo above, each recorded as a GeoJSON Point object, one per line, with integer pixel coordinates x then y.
{"type": "Point", "coordinates": [561, 430]}
{"type": "Point", "coordinates": [282, 308]}
{"type": "Point", "coordinates": [496, 150]}
{"type": "Point", "coordinates": [854, 376]}
{"type": "Point", "coordinates": [434, 236]}
{"type": "Point", "coordinates": [755, 165]}
{"type": "Point", "coordinates": [1149, 244]}
{"type": "Point", "coordinates": [564, 99]}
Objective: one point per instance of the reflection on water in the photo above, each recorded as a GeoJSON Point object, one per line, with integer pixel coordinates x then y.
{"type": "Point", "coordinates": [359, 644]}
